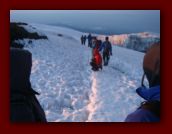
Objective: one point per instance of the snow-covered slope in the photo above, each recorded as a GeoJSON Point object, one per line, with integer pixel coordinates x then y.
{"type": "Point", "coordinates": [70, 90]}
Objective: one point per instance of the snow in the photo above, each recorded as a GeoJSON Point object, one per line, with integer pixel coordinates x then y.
{"type": "Point", "coordinates": [70, 90]}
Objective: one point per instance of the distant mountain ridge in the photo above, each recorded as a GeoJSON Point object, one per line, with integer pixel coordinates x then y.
{"type": "Point", "coordinates": [136, 41]}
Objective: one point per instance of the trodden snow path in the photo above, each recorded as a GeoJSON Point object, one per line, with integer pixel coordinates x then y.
{"type": "Point", "coordinates": [70, 90]}
{"type": "Point", "coordinates": [111, 98]}
{"type": "Point", "coordinates": [113, 90]}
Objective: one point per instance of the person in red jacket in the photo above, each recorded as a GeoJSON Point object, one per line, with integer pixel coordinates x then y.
{"type": "Point", "coordinates": [96, 62]}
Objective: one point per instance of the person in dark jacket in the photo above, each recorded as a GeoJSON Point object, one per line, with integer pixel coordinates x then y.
{"type": "Point", "coordinates": [89, 40]}
{"type": "Point", "coordinates": [94, 45]}
{"type": "Point", "coordinates": [84, 39]}
{"type": "Point", "coordinates": [24, 106]}
{"type": "Point", "coordinates": [107, 51]}
{"type": "Point", "coordinates": [99, 44]}
{"type": "Point", "coordinates": [149, 111]}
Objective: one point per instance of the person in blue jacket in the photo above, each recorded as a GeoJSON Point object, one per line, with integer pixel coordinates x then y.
{"type": "Point", "coordinates": [149, 111]}
{"type": "Point", "coordinates": [106, 47]}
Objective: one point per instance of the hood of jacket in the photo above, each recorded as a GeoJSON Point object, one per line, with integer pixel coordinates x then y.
{"type": "Point", "coordinates": [151, 94]}
{"type": "Point", "coordinates": [20, 70]}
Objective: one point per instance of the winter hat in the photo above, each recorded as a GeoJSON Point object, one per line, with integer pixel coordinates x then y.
{"type": "Point", "coordinates": [151, 59]}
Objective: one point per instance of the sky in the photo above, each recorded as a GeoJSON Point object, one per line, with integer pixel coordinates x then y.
{"type": "Point", "coordinates": [98, 21]}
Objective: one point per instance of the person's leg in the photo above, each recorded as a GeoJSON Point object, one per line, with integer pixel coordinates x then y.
{"type": "Point", "coordinates": [107, 59]}
{"type": "Point", "coordinates": [94, 66]}
{"type": "Point", "coordinates": [89, 43]}
{"type": "Point", "coordinates": [100, 66]}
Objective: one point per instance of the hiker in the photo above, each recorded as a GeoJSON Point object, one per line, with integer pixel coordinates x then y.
{"type": "Point", "coordinates": [99, 43]}
{"type": "Point", "coordinates": [24, 106]}
{"type": "Point", "coordinates": [96, 61]}
{"type": "Point", "coordinates": [149, 111]}
{"type": "Point", "coordinates": [95, 44]}
{"type": "Point", "coordinates": [106, 47]}
{"type": "Point", "coordinates": [89, 40]}
{"type": "Point", "coordinates": [82, 39]}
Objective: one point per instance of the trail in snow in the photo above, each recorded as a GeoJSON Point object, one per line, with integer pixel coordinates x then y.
{"type": "Point", "coordinates": [115, 87]}
{"type": "Point", "coordinates": [113, 97]}
{"type": "Point", "coordinates": [92, 105]}
{"type": "Point", "coordinates": [70, 90]}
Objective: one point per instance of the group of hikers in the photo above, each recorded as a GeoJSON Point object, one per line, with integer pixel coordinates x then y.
{"type": "Point", "coordinates": [24, 106]}
{"type": "Point", "coordinates": [99, 49]}
{"type": "Point", "coordinates": [83, 39]}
